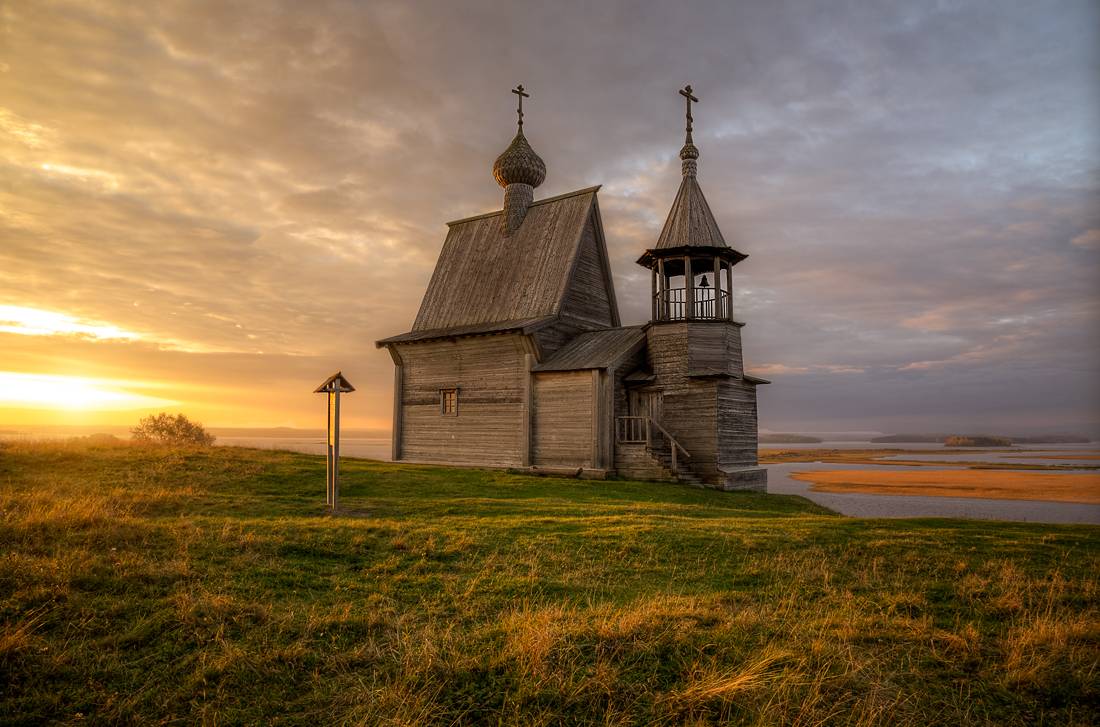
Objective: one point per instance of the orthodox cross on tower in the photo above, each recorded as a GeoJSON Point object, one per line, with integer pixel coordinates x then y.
{"type": "Point", "coordinates": [518, 91]}
{"type": "Point", "coordinates": [688, 97]}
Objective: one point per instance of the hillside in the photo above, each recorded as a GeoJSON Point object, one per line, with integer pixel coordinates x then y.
{"type": "Point", "coordinates": [144, 586]}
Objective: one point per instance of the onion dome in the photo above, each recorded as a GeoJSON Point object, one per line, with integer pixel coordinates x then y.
{"type": "Point", "coordinates": [519, 164]}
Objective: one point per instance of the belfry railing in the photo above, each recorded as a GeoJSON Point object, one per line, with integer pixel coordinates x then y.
{"type": "Point", "coordinates": [709, 303]}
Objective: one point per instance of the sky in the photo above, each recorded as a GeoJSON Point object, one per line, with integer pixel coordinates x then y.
{"type": "Point", "coordinates": [210, 207]}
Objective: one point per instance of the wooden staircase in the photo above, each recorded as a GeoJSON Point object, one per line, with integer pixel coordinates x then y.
{"type": "Point", "coordinates": [668, 455]}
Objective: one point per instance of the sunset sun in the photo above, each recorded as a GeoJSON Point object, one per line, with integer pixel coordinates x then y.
{"type": "Point", "coordinates": [47, 391]}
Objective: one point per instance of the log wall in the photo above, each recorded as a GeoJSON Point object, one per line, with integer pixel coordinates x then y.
{"type": "Point", "coordinates": [737, 422]}
{"type": "Point", "coordinates": [713, 417]}
{"type": "Point", "coordinates": [489, 373]}
{"type": "Point", "coordinates": [565, 411]}
{"type": "Point", "coordinates": [714, 347]}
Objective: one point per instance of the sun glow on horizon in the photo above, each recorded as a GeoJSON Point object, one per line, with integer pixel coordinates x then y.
{"type": "Point", "coordinates": [52, 391]}
{"type": "Point", "coordinates": [37, 322]}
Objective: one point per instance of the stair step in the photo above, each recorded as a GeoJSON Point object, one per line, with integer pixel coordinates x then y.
{"type": "Point", "coordinates": [664, 459]}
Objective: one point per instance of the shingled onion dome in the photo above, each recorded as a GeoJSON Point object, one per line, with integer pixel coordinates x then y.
{"type": "Point", "coordinates": [519, 170]}
{"type": "Point", "coordinates": [689, 155]}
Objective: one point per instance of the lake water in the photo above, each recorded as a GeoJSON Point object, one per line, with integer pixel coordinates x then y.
{"type": "Point", "coordinates": [892, 506]}
{"type": "Point", "coordinates": [1038, 457]}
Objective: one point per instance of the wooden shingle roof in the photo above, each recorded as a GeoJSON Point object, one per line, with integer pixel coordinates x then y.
{"type": "Point", "coordinates": [690, 228]}
{"type": "Point", "coordinates": [595, 350]}
{"type": "Point", "coordinates": [484, 277]}
{"type": "Point", "coordinates": [690, 221]}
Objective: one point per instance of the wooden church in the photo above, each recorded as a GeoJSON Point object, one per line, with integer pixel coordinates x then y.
{"type": "Point", "coordinates": [518, 359]}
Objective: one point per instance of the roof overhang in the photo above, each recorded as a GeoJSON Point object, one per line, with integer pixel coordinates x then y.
{"type": "Point", "coordinates": [652, 255]}
{"type": "Point", "coordinates": [641, 376]}
{"type": "Point", "coordinates": [720, 374]}
{"type": "Point", "coordinates": [335, 383]}
{"type": "Point", "coordinates": [529, 325]}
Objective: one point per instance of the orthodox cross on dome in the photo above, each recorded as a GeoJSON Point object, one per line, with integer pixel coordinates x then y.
{"type": "Point", "coordinates": [518, 91]}
{"type": "Point", "coordinates": [688, 98]}
{"type": "Point", "coordinates": [689, 153]}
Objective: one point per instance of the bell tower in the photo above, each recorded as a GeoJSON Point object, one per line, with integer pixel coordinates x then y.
{"type": "Point", "coordinates": [693, 341]}
{"type": "Point", "coordinates": [691, 266]}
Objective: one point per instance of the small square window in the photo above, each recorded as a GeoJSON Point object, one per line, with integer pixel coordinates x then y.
{"type": "Point", "coordinates": [448, 402]}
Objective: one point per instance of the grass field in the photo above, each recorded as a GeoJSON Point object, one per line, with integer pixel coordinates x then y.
{"type": "Point", "coordinates": [191, 587]}
{"type": "Point", "coordinates": [996, 484]}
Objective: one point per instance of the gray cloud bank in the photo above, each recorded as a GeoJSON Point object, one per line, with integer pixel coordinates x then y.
{"type": "Point", "coordinates": [916, 183]}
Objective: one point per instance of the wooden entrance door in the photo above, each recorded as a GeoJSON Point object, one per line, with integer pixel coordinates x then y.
{"type": "Point", "coordinates": [643, 403]}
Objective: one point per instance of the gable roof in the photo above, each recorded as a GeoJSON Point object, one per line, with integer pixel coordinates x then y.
{"type": "Point", "coordinates": [595, 350]}
{"type": "Point", "coordinates": [336, 382]}
{"type": "Point", "coordinates": [483, 277]}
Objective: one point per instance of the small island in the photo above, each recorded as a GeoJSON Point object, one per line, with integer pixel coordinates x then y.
{"type": "Point", "coordinates": [789, 439]}
{"type": "Point", "coordinates": [976, 440]}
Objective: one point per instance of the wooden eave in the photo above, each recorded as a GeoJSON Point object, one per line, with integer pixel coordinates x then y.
{"type": "Point", "coordinates": [652, 255]}
{"type": "Point", "coordinates": [710, 374]}
{"type": "Point", "coordinates": [524, 326]}
{"type": "Point", "coordinates": [720, 374]}
{"type": "Point", "coordinates": [640, 376]}
{"type": "Point", "coordinates": [711, 321]}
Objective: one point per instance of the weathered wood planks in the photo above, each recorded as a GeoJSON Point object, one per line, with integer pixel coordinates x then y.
{"type": "Point", "coordinates": [564, 412]}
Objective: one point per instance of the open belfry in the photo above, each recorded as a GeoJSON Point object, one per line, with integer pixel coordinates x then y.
{"type": "Point", "coordinates": [517, 357]}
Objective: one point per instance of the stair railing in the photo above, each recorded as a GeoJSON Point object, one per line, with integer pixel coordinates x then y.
{"type": "Point", "coordinates": [637, 430]}
{"type": "Point", "coordinates": [673, 444]}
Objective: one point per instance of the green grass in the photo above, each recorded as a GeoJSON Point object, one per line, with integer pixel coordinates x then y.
{"type": "Point", "coordinates": [150, 586]}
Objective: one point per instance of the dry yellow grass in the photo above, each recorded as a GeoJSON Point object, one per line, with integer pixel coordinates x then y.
{"type": "Point", "coordinates": [142, 586]}
{"type": "Point", "coordinates": [1067, 455]}
{"type": "Point", "coordinates": [991, 484]}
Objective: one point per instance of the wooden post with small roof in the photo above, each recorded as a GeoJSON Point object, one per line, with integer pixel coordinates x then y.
{"type": "Point", "coordinates": [333, 386]}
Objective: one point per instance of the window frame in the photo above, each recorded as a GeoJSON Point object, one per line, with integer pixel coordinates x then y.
{"type": "Point", "coordinates": [443, 396]}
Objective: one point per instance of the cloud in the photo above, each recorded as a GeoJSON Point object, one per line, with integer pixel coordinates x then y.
{"type": "Point", "coordinates": [1088, 240]}
{"type": "Point", "coordinates": [270, 180]}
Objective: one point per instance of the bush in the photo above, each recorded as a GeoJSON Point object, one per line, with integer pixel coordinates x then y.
{"type": "Point", "coordinates": [175, 430]}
